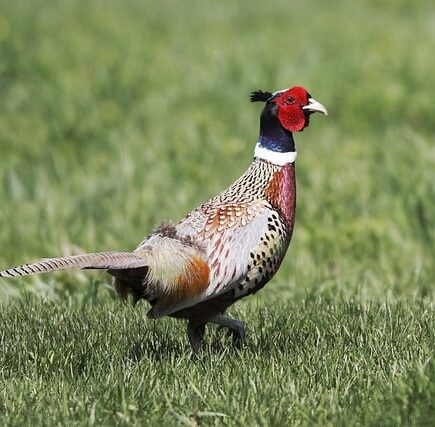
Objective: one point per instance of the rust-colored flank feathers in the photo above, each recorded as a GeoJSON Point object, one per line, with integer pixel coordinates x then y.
{"type": "Point", "coordinates": [193, 281]}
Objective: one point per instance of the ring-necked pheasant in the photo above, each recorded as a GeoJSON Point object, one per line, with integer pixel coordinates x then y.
{"type": "Point", "coordinates": [227, 248]}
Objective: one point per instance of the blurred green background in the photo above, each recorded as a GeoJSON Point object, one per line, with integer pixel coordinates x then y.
{"type": "Point", "coordinates": [115, 116]}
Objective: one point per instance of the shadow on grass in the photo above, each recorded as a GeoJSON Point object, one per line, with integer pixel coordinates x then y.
{"type": "Point", "coordinates": [158, 349]}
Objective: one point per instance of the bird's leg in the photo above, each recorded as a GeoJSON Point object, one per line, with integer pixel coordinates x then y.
{"type": "Point", "coordinates": [236, 327]}
{"type": "Point", "coordinates": [195, 334]}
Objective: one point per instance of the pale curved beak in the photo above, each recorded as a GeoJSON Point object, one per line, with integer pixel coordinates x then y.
{"type": "Point", "coordinates": [315, 106]}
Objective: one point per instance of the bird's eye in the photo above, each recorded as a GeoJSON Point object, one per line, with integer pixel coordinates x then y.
{"type": "Point", "coordinates": [290, 100]}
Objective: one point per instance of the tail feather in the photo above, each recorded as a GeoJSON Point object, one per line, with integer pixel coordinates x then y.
{"type": "Point", "coordinates": [100, 260]}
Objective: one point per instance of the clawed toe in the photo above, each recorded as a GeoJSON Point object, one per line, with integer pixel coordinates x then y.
{"type": "Point", "coordinates": [236, 328]}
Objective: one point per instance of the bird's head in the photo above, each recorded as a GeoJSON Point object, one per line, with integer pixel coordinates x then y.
{"type": "Point", "coordinates": [292, 107]}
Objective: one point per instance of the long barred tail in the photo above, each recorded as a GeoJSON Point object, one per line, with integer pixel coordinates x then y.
{"type": "Point", "coordinates": [101, 260]}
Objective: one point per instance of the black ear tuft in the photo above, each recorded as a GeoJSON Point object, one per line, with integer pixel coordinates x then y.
{"type": "Point", "coordinates": [260, 96]}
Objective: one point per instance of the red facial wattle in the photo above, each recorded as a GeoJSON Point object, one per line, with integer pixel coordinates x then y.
{"type": "Point", "coordinates": [290, 112]}
{"type": "Point", "coordinates": [292, 119]}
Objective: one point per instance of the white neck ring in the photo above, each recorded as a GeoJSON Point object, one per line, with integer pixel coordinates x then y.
{"type": "Point", "coordinates": [275, 157]}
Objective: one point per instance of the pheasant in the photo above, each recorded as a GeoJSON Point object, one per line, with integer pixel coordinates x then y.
{"type": "Point", "coordinates": [227, 248]}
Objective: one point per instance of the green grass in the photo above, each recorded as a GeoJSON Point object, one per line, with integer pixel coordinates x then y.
{"type": "Point", "coordinates": [309, 362]}
{"type": "Point", "coordinates": [115, 116]}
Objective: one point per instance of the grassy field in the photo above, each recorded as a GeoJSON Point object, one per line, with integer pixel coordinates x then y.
{"type": "Point", "coordinates": [115, 116]}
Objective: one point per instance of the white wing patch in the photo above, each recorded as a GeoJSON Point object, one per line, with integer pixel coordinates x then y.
{"type": "Point", "coordinates": [239, 231]}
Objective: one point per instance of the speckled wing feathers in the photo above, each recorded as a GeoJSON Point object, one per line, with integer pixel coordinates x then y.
{"type": "Point", "coordinates": [231, 232]}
